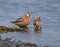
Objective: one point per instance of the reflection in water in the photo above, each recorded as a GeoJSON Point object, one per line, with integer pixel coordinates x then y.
{"type": "Point", "coordinates": [38, 37]}
{"type": "Point", "coordinates": [26, 29]}
{"type": "Point", "coordinates": [38, 30]}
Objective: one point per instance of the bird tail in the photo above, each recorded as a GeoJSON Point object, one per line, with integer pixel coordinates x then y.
{"type": "Point", "coordinates": [13, 22]}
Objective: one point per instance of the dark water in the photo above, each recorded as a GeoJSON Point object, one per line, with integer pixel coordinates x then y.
{"type": "Point", "coordinates": [48, 10]}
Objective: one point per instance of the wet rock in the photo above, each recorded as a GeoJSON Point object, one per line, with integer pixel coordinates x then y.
{"type": "Point", "coordinates": [28, 45]}
{"type": "Point", "coordinates": [7, 39]}
{"type": "Point", "coordinates": [4, 29]}
{"type": "Point", "coordinates": [7, 43]}
{"type": "Point", "coordinates": [49, 46]}
{"type": "Point", "coordinates": [46, 46]}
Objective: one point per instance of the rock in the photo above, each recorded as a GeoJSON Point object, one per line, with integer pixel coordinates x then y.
{"type": "Point", "coordinates": [3, 29]}
{"type": "Point", "coordinates": [7, 39]}
{"type": "Point", "coordinates": [46, 46]}
{"type": "Point", "coordinates": [5, 43]}
{"type": "Point", "coordinates": [28, 45]}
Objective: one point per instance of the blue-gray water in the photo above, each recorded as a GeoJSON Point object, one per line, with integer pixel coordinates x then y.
{"type": "Point", "coordinates": [48, 10]}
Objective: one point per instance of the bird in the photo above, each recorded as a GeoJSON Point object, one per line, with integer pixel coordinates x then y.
{"type": "Point", "coordinates": [37, 23]}
{"type": "Point", "coordinates": [22, 22]}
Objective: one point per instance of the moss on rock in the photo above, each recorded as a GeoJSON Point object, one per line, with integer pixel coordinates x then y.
{"type": "Point", "coordinates": [4, 29]}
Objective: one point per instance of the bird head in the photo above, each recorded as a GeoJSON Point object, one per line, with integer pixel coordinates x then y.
{"type": "Point", "coordinates": [39, 19]}
{"type": "Point", "coordinates": [27, 16]}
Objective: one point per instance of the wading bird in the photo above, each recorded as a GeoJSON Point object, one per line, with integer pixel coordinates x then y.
{"type": "Point", "coordinates": [37, 24]}
{"type": "Point", "coordinates": [22, 22]}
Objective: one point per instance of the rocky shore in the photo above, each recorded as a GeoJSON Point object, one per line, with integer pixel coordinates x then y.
{"type": "Point", "coordinates": [7, 43]}
{"type": "Point", "coordinates": [4, 29]}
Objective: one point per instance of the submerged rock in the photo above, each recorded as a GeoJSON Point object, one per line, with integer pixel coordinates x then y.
{"type": "Point", "coordinates": [27, 45]}
{"type": "Point", "coordinates": [5, 43]}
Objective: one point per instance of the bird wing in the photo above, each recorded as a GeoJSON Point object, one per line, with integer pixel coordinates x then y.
{"type": "Point", "coordinates": [19, 20]}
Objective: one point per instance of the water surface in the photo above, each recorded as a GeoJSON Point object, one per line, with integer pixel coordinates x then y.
{"type": "Point", "coordinates": [48, 10]}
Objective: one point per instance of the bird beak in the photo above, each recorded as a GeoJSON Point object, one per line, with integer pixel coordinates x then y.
{"type": "Point", "coordinates": [30, 16]}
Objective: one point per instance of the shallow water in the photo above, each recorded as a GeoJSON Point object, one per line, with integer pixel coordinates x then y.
{"type": "Point", "coordinates": [48, 10]}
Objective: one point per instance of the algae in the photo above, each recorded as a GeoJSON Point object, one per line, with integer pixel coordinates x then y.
{"type": "Point", "coordinates": [4, 29]}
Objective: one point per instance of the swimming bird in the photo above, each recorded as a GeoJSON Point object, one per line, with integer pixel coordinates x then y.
{"type": "Point", "coordinates": [22, 22]}
{"type": "Point", "coordinates": [37, 23]}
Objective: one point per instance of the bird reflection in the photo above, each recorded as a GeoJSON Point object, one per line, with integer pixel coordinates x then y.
{"type": "Point", "coordinates": [37, 30]}
{"type": "Point", "coordinates": [26, 29]}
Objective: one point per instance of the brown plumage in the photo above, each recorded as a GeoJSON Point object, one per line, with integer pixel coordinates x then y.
{"type": "Point", "coordinates": [37, 23]}
{"type": "Point", "coordinates": [22, 21]}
